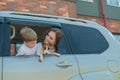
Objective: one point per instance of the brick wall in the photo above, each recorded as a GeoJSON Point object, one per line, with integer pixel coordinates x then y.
{"type": "Point", "coordinates": [112, 25]}
{"type": "Point", "coordinates": [54, 7]}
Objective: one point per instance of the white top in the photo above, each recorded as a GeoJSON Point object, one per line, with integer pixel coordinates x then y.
{"type": "Point", "coordinates": [24, 50]}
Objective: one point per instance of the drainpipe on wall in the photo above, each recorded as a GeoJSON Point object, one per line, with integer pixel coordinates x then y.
{"type": "Point", "coordinates": [103, 12]}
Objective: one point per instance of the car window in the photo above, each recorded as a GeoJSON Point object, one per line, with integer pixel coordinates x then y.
{"type": "Point", "coordinates": [85, 40]}
{"type": "Point", "coordinates": [63, 47]}
{"type": "Point", "coordinates": [16, 41]}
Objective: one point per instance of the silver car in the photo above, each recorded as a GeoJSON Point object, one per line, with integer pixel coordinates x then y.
{"type": "Point", "coordinates": [88, 50]}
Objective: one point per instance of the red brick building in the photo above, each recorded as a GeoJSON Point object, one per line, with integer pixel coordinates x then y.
{"type": "Point", "coordinates": [55, 7]}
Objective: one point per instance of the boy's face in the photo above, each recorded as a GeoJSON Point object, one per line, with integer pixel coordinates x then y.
{"type": "Point", "coordinates": [30, 44]}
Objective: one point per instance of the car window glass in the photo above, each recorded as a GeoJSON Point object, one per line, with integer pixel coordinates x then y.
{"type": "Point", "coordinates": [63, 48]}
{"type": "Point", "coordinates": [85, 40]}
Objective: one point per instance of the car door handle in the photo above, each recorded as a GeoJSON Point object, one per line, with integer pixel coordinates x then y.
{"type": "Point", "coordinates": [63, 64]}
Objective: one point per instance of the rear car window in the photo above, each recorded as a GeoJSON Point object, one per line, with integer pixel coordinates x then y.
{"type": "Point", "coordinates": [85, 40]}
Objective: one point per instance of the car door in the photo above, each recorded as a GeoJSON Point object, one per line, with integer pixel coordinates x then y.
{"type": "Point", "coordinates": [29, 68]}
{"type": "Point", "coordinates": [89, 45]}
{"type": "Point", "coordinates": [64, 67]}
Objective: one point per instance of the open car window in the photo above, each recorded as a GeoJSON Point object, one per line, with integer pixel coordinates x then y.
{"type": "Point", "coordinates": [16, 40]}
{"type": "Point", "coordinates": [40, 29]}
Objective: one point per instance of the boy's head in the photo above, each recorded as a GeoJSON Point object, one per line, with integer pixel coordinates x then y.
{"type": "Point", "coordinates": [29, 36]}
{"type": "Point", "coordinates": [30, 44]}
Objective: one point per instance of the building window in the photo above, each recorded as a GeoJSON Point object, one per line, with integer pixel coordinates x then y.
{"type": "Point", "coordinates": [87, 0]}
{"type": "Point", "coordinates": [113, 2]}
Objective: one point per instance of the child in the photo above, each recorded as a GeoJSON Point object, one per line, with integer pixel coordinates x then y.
{"type": "Point", "coordinates": [29, 45]}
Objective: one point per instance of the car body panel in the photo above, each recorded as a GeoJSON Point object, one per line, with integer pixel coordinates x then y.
{"type": "Point", "coordinates": [29, 68]}
{"type": "Point", "coordinates": [98, 76]}
{"type": "Point", "coordinates": [117, 36]}
{"type": "Point", "coordinates": [100, 63]}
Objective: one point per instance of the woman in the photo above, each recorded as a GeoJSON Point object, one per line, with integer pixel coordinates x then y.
{"type": "Point", "coordinates": [51, 38]}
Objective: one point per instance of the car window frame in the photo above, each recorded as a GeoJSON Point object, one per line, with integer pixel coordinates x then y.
{"type": "Point", "coordinates": [1, 35]}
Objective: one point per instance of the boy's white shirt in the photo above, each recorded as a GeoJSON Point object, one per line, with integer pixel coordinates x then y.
{"type": "Point", "coordinates": [24, 50]}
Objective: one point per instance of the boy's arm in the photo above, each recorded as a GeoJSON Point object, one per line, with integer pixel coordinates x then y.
{"type": "Point", "coordinates": [38, 50]}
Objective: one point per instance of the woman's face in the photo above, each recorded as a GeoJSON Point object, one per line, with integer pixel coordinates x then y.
{"type": "Point", "coordinates": [50, 38]}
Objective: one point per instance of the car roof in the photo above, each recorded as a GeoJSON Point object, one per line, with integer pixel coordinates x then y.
{"type": "Point", "coordinates": [35, 16]}
{"type": "Point", "coordinates": [49, 18]}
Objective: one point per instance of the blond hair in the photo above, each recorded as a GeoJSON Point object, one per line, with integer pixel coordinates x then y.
{"type": "Point", "coordinates": [28, 34]}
